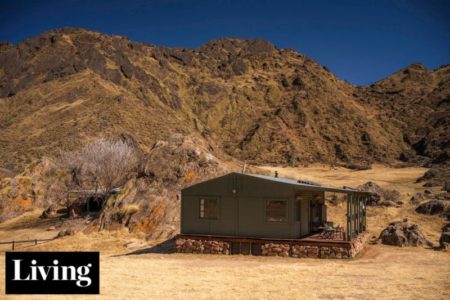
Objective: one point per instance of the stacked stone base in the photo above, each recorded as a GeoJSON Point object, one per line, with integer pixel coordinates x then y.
{"type": "Point", "coordinates": [300, 250]}
{"type": "Point", "coordinates": [272, 249]}
{"type": "Point", "coordinates": [200, 246]}
{"type": "Point", "coordinates": [359, 242]}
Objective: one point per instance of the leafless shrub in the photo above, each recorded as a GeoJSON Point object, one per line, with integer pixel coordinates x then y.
{"type": "Point", "coordinates": [100, 166]}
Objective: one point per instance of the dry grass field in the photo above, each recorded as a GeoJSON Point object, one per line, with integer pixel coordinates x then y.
{"type": "Point", "coordinates": [381, 272]}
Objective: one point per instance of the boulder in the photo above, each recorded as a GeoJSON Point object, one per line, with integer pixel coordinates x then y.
{"type": "Point", "coordinates": [446, 186]}
{"type": "Point", "coordinates": [444, 240]}
{"type": "Point", "coordinates": [239, 67]}
{"type": "Point", "coordinates": [417, 198]}
{"type": "Point", "coordinates": [49, 212]}
{"type": "Point", "coordinates": [431, 207]}
{"type": "Point", "coordinates": [380, 196]}
{"type": "Point", "coordinates": [388, 203]}
{"type": "Point", "coordinates": [284, 82]}
{"type": "Point", "coordinates": [403, 233]}
{"type": "Point", "coordinates": [446, 228]}
{"type": "Point", "coordinates": [66, 232]}
{"type": "Point", "coordinates": [373, 188]}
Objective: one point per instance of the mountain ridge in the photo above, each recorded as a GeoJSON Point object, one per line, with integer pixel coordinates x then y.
{"type": "Point", "coordinates": [247, 98]}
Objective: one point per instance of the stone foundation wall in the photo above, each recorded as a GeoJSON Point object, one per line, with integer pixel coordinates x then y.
{"type": "Point", "coordinates": [334, 252]}
{"type": "Point", "coordinates": [300, 251]}
{"type": "Point", "coordinates": [278, 249]}
{"type": "Point", "coordinates": [202, 246]}
{"type": "Point", "coordinates": [272, 249]}
{"type": "Point", "coordinates": [359, 242]}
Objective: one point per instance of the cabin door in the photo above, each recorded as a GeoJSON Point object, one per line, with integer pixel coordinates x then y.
{"type": "Point", "coordinates": [316, 213]}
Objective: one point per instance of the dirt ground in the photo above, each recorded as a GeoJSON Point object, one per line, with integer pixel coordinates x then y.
{"type": "Point", "coordinates": [381, 272]}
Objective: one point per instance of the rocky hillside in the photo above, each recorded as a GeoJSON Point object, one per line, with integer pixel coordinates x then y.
{"type": "Point", "coordinates": [244, 98]}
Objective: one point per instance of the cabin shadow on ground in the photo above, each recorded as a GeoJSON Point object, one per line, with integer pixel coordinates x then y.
{"type": "Point", "coordinates": [166, 247]}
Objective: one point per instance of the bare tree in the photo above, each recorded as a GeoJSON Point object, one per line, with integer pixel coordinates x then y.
{"type": "Point", "coordinates": [100, 166]}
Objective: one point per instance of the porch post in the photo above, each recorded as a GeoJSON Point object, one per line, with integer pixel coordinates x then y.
{"type": "Point", "coordinates": [355, 215]}
{"type": "Point", "coordinates": [349, 199]}
{"type": "Point", "coordinates": [365, 213]}
{"type": "Point", "coordinates": [358, 207]}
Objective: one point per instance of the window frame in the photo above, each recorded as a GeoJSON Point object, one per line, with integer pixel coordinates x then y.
{"type": "Point", "coordinates": [286, 210]}
{"type": "Point", "coordinates": [205, 198]}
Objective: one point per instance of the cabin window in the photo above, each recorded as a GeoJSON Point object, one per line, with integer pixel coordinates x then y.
{"type": "Point", "coordinates": [276, 210]}
{"type": "Point", "coordinates": [209, 208]}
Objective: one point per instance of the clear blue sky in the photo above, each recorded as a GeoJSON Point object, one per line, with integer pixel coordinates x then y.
{"type": "Point", "coordinates": [360, 41]}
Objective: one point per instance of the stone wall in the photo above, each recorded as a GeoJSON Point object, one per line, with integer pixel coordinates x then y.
{"type": "Point", "coordinates": [279, 249]}
{"type": "Point", "coordinates": [359, 242]}
{"type": "Point", "coordinates": [273, 249]}
{"type": "Point", "coordinates": [202, 246]}
{"type": "Point", "coordinates": [300, 251]}
{"type": "Point", "coordinates": [334, 252]}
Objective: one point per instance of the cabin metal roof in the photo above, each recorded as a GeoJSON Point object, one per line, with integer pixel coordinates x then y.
{"type": "Point", "coordinates": [292, 182]}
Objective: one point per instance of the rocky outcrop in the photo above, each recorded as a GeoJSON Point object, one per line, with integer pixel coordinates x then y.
{"type": "Point", "coordinates": [380, 196]}
{"type": "Point", "coordinates": [432, 207]}
{"type": "Point", "coordinates": [444, 240]}
{"type": "Point", "coordinates": [148, 203]}
{"type": "Point", "coordinates": [403, 233]}
{"type": "Point", "coordinates": [417, 198]}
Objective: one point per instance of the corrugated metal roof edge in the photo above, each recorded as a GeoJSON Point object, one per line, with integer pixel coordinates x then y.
{"type": "Point", "coordinates": [303, 185]}
{"type": "Point", "coordinates": [286, 181]}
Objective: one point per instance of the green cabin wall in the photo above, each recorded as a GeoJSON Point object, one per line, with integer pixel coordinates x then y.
{"type": "Point", "coordinates": [243, 213]}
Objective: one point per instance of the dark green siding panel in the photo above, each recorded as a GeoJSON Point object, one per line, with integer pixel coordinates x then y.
{"type": "Point", "coordinates": [252, 219]}
{"type": "Point", "coordinates": [227, 222]}
{"type": "Point", "coordinates": [191, 223]}
{"type": "Point", "coordinates": [304, 218]}
{"type": "Point", "coordinates": [250, 216]}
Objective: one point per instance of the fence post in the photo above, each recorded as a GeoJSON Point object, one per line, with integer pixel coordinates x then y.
{"type": "Point", "coordinates": [35, 241]}
{"type": "Point", "coordinates": [13, 245]}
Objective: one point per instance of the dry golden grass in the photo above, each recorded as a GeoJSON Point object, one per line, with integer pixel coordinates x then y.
{"type": "Point", "coordinates": [382, 272]}
{"type": "Point", "coordinates": [402, 179]}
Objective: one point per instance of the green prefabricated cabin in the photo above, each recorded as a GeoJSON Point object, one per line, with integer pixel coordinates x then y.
{"type": "Point", "coordinates": [250, 205]}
